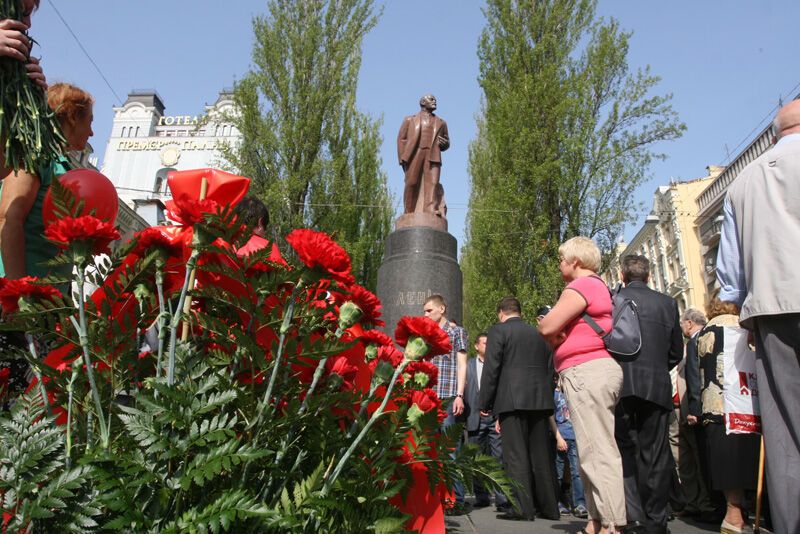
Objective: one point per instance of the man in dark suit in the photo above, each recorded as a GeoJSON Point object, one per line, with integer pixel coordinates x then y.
{"type": "Point", "coordinates": [517, 386]}
{"type": "Point", "coordinates": [642, 416]}
{"type": "Point", "coordinates": [481, 430]}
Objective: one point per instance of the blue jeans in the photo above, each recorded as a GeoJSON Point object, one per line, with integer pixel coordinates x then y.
{"type": "Point", "coordinates": [571, 455]}
{"type": "Point", "coordinates": [450, 420]}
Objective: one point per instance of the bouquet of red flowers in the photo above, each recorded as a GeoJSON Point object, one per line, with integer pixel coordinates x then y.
{"type": "Point", "coordinates": [212, 381]}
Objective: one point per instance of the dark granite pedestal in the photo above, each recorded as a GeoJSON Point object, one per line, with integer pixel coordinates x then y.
{"type": "Point", "coordinates": [418, 262]}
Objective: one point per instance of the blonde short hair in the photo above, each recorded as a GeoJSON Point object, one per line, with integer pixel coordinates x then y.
{"type": "Point", "coordinates": [582, 249]}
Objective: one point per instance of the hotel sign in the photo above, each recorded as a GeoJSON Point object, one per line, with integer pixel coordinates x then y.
{"type": "Point", "coordinates": [158, 144]}
{"type": "Point", "coordinates": [178, 120]}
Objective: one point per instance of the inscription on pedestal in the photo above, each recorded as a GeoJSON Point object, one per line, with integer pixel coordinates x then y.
{"type": "Point", "coordinates": [412, 298]}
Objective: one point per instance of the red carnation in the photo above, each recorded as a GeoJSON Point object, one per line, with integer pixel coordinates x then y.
{"type": "Point", "coordinates": [426, 400]}
{"type": "Point", "coordinates": [387, 353]}
{"type": "Point", "coordinates": [156, 237]}
{"type": "Point", "coordinates": [188, 211]}
{"type": "Point", "coordinates": [435, 338]}
{"type": "Point", "coordinates": [425, 368]}
{"type": "Point", "coordinates": [85, 228]}
{"type": "Point", "coordinates": [343, 366]}
{"type": "Point", "coordinates": [420, 402]}
{"type": "Point", "coordinates": [317, 249]}
{"type": "Point", "coordinates": [367, 302]}
{"type": "Point", "coordinates": [13, 290]}
{"type": "Point", "coordinates": [375, 337]}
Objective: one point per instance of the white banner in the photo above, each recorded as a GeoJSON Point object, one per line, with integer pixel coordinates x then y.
{"type": "Point", "coordinates": [742, 415]}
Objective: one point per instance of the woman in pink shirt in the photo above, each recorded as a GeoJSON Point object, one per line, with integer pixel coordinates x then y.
{"type": "Point", "coordinates": [590, 380]}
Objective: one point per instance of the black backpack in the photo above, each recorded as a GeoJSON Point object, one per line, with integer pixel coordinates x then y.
{"type": "Point", "coordinates": [624, 340]}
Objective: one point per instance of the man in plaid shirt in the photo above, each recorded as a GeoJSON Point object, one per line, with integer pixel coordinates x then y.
{"type": "Point", "coordinates": [452, 374]}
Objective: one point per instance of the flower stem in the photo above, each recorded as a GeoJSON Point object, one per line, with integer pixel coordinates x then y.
{"type": "Point", "coordinates": [343, 460]}
{"type": "Point", "coordinates": [162, 316]}
{"type": "Point", "coordinates": [287, 321]}
{"type": "Point", "coordinates": [176, 319]}
{"type": "Point", "coordinates": [303, 405]}
{"type": "Point", "coordinates": [264, 405]}
{"type": "Point", "coordinates": [70, 398]}
{"type": "Point", "coordinates": [317, 375]}
{"type": "Point", "coordinates": [80, 326]}
{"type": "Point", "coordinates": [38, 374]}
{"type": "Point", "coordinates": [363, 409]}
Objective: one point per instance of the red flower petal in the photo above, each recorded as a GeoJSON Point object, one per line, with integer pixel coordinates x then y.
{"type": "Point", "coordinates": [317, 249]}
{"type": "Point", "coordinates": [85, 228]}
{"type": "Point", "coordinates": [12, 290]}
{"type": "Point", "coordinates": [436, 338]}
{"type": "Point", "coordinates": [367, 302]}
{"type": "Point", "coordinates": [421, 366]}
{"type": "Point", "coordinates": [188, 211]}
{"type": "Point", "coordinates": [376, 337]}
{"type": "Point", "coordinates": [157, 237]}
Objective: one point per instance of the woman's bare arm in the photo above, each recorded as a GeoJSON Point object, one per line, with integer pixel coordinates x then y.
{"type": "Point", "coordinates": [17, 198]}
{"type": "Point", "coordinates": [570, 305]}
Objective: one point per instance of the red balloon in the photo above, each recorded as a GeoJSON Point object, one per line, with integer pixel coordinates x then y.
{"type": "Point", "coordinates": [94, 189]}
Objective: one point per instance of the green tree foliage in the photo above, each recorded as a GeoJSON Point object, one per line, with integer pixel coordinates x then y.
{"type": "Point", "coordinates": [313, 156]}
{"type": "Point", "coordinates": [566, 134]}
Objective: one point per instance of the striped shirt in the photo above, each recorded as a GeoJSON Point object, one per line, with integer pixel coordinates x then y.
{"type": "Point", "coordinates": [447, 385]}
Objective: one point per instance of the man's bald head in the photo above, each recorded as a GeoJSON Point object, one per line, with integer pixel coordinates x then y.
{"type": "Point", "coordinates": [787, 121]}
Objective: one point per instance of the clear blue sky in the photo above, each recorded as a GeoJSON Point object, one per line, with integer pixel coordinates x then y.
{"type": "Point", "coordinates": [726, 61]}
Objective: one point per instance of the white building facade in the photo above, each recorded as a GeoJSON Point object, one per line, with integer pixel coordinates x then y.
{"type": "Point", "coordinates": [146, 144]}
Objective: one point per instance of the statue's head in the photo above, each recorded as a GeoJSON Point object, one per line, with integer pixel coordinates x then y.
{"type": "Point", "coordinates": [428, 102]}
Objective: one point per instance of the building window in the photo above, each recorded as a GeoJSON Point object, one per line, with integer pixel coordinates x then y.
{"type": "Point", "coordinates": [161, 180]}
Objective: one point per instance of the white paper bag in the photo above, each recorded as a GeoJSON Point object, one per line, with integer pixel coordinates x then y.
{"type": "Point", "coordinates": [742, 415]}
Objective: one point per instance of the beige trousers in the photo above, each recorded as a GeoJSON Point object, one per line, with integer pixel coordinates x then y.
{"type": "Point", "coordinates": [592, 391]}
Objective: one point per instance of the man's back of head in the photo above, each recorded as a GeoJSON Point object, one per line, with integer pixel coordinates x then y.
{"type": "Point", "coordinates": [692, 320]}
{"type": "Point", "coordinates": [787, 121]}
{"type": "Point", "coordinates": [509, 306]}
{"type": "Point", "coordinates": [635, 268]}
{"type": "Point", "coordinates": [253, 213]}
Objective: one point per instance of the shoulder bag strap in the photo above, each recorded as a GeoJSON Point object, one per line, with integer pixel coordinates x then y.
{"type": "Point", "coordinates": [591, 322]}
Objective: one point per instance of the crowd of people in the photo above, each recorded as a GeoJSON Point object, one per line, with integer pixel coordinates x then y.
{"type": "Point", "coordinates": [645, 439]}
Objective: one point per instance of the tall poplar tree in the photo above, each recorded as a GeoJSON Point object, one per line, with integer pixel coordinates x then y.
{"type": "Point", "coordinates": [565, 136]}
{"type": "Point", "coordinates": [313, 156]}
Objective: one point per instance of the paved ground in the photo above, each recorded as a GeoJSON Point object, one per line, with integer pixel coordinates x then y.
{"type": "Point", "coordinates": [483, 521]}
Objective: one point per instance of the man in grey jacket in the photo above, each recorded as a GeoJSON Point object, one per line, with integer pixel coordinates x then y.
{"type": "Point", "coordinates": [757, 269]}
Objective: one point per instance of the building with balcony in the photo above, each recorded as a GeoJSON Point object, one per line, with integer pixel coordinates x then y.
{"type": "Point", "coordinates": [670, 241]}
{"type": "Point", "coordinates": [710, 203]}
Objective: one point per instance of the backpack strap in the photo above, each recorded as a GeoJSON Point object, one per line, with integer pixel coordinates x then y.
{"type": "Point", "coordinates": [591, 322]}
{"type": "Point", "coordinates": [588, 319]}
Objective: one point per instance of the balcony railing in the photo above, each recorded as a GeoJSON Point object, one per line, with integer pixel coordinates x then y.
{"type": "Point", "coordinates": [717, 188]}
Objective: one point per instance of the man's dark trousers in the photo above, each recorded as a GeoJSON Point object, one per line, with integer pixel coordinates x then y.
{"type": "Point", "coordinates": [778, 370]}
{"type": "Point", "coordinates": [528, 459]}
{"type": "Point", "coordinates": [642, 434]}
